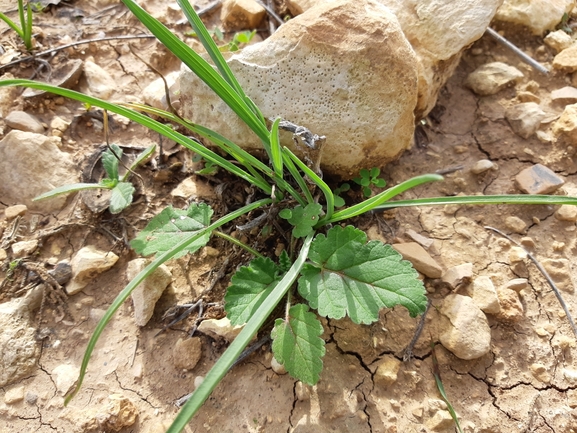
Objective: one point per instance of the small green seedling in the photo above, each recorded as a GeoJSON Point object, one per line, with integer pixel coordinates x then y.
{"type": "Point", "coordinates": [209, 169]}
{"type": "Point", "coordinates": [122, 190]}
{"type": "Point", "coordinates": [370, 177]}
{"type": "Point", "coordinates": [25, 29]}
{"type": "Point", "coordinates": [339, 201]}
{"type": "Point", "coordinates": [239, 39]}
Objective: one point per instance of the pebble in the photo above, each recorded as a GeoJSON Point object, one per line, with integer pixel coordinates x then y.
{"type": "Point", "coordinates": [14, 395]}
{"type": "Point", "coordinates": [420, 259]}
{"type": "Point", "coordinates": [220, 328]}
{"type": "Point", "coordinates": [31, 398]}
{"type": "Point", "coordinates": [515, 224]}
{"type": "Point", "coordinates": [560, 272]}
{"type": "Point", "coordinates": [198, 381]}
{"type": "Point", "coordinates": [147, 293]}
{"type": "Point", "coordinates": [187, 353]}
{"type": "Point", "coordinates": [558, 40]}
{"type": "Point", "coordinates": [545, 137]}
{"type": "Point", "coordinates": [566, 213]}
{"type": "Point", "coordinates": [566, 60]}
{"type": "Point", "coordinates": [458, 276]}
{"type": "Point", "coordinates": [64, 377]}
{"type": "Point", "coordinates": [155, 93]}
{"type": "Point", "coordinates": [524, 96]}
{"type": "Point", "coordinates": [241, 14]}
{"type": "Point", "coordinates": [192, 188]}
{"type": "Point", "coordinates": [3, 254]}
{"type": "Point", "coordinates": [86, 264]}
{"type": "Point", "coordinates": [539, 372]}
{"type": "Point", "coordinates": [24, 122]}
{"type": "Point", "coordinates": [277, 367]}
{"type": "Point", "coordinates": [440, 421]}
{"type": "Point", "coordinates": [525, 118]}
{"type": "Point", "coordinates": [484, 294]}
{"type": "Point", "coordinates": [482, 166]}
{"type": "Point", "coordinates": [24, 248]}
{"type": "Point", "coordinates": [517, 254]}
{"type": "Point", "coordinates": [538, 179]}
{"type": "Point", "coordinates": [492, 77]}
{"type": "Point", "coordinates": [100, 82]}
{"type": "Point", "coordinates": [565, 128]}
{"type": "Point", "coordinates": [302, 391]}
{"type": "Point", "coordinates": [119, 413]}
{"type": "Point", "coordinates": [467, 335]}
{"type": "Point", "coordinates": [517, 284]}
{"type": "Point", "coordinates": [12, 212]}
{"type": "Point", "coordinates": [387, 371]}
{"type": "Point", "coordinates": [511, 307]}
{"type": "Point", "coordinates": [565, 95]}
{"type": "Point", "coordinates": [419, 238]}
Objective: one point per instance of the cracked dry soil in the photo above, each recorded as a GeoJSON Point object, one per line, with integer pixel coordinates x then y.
{"type": "Point", "coordinates": [526, 383]}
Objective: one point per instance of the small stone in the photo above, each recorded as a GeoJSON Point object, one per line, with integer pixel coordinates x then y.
{"type": "Point", "coordinates": [565, 128]}
{"type": "Point", "coordinates": [482, 166]}
{"type": "Point", "coordinates": [566, 60]}
{"type": "Point", "coordinates": [458, 276]}
{"type": "Point", "coordinates": [517, 284]}
{"type": "Point", "coordinates": [517, 254]}
{"type": "Point", "coordinates": [558, 246]}
{"type": "Point", "coordinates": [147, 293]}
{"type": "Point", "coordinates": [484, 295]}
{"type": "Point", "coordinates": [558, 40]}
{"type": "Point", "coordinates": [24, 248]}
{"type": "Point", "coordinates": [525, 118]}
{"type": "Point", "coordinates": [524, 96]}
{"type": "Point", "coordinates": [442, 420]}
{"type": "Point", "coordinates": [59, 124]}
{"type": "Point", "coordinates": [192, 188]}
{"type": "Point", "coordinates": [467, 334]}
{"type": "Point", "coordinates": [241, 14]}
{"type": "Point", "coordinates": [511, 307]}
{"type": "Point", "coordinates": [538, 179]}
{"type": "Point", "coordinates": [515, 224]}
{"type": "Point", "coordinates": [545, 137]}
{"type": "Point", "coordinates": [418, 412]}
{"type": "Point", "coordinates": [24, 122]}
{"type": "Point", "coordinates": [100, 83]}
{"type": "Point", "coordinates": [540, 373]}
{"type": "Point", "coordinates": [12, 212]}
{"type": "Point", "coordinates": [31, 398]}
{"type": "Point", "coordinates": [566, 95]}
{"type": "Point", "coordinates": [387, 371]}
{"type": "Point", "coordinates": [570, 374]}
{"type": "Point", "coordinates": [198, 381]}
{"type": "Point", "coordinates": [419, 238]}
{"type": "Point", "coordinates": [566, 213]}
{"type": "Point", "coordinates": [86, 264]}
{"type": "Point", "coordinates": [118, 414]}
{"type": "Point", "coordinates": [3, 254]}
{"type": "Point", "coordinates": [538, 15]}
{"type": "Point", "coordinates": [528, 242]}
{"type": "Point", "coordinates": [186, 353]}
{"type": "Point", "coordinates": [14, 395]}
{"type": "Point", "coordinates": [302, 391]}
{"type": "Point", "coordinates": [155, 93]}
{"type": "Point", "coordinates": [277, 367]}
{"type": "Point", "coordinates": [420, 259]}
{"type": "Point", "coordinates": [64, 376]}
{"type": "Point", "coordinates": [220, 328]}
{"type": "Point", "coordinates": [560, 272]}
{"type": "Point", "coordinates": [492, 77]}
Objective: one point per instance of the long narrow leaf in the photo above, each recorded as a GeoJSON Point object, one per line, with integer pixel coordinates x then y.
{"type": "Point", "coordinates": [125, 293]}
{"type": "Point", "coordinates": [140, 159]}
{"type": "Point", "coordinates": [165, 130]}
{"type": "Point", "coordinates": [12, 25]}
{"type": "Point", "coordinates": [483, 199]}
{"type": "Point", "coordinates": [275, 150]}
{"type": "Point", "coordinates": [299, 179]}
{"type": "Point", "coordinates": [203, 69]}
{"type": "Point", "coordinates": [67, 189]}
{"type": "Point", "coordinates": [379, 199]}
{"type": "Point", "coordinates": [218, 371]}
{"type": "Point", "coordinates": [329, 196]}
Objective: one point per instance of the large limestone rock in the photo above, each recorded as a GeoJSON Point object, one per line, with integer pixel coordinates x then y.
{"type": "Point", "coordinates": [31, 164]}
{"type": "Point", "coordinates": [344, 70]}
{"type": "Point", "coordinates": [537, 15]}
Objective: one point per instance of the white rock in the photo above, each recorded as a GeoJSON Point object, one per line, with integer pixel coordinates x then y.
{"type": "Point", "coordinates": [12, 212]}
{"type": "Point", "coordinates": [517, 254]}
{"type": "Point", "coordinates": [64, 376]}
{"type": "Point", "coordinates": [220, 328]}
{"type": "Point", "coordinates": [457, 276]}
{"type": "Point", "coordinates": [241, 14]}
{"type": "Point", "coordinates": [566, 213]}
{"type": "Point", "coordinates": [387, 371]}
{"type": "Point", "coordinates": [440, 421]}
{"type": "Point", "coordinates": [19, 350]}
{"type": "Point", "coordinates": [277, 367]}
{"type": "Point", "coordinates": [566, 60]}
{"type": "Point", "coordinates": [558, 40]}
{"type": "Point", "coordinates": [155, 93]}
{"type": "Point", "coordinates": [24, 122]}
{"type": "Point", "coordinates": [484, 294]}
{"type": "Point", "coordinates": [516, 224]}
{"type": "Point", "coordinates": [467, 335]}
{"type": "Point", "coordinates": [299, 74]}
{"type": "Point", "coordinates": [482, 166]}
{"type": "Point", "coordinates": [420, 259]}
{"type": "Point", "coordinates": [517, 284]}
{"type": "Point", "coordinates": [100, 82]}
{"type": "Point", "coordinates": [147, 293]}
{"type": "Point", "coordinates": [537, 15]}
{"type": "Point", "coordinates": [492, 77]}
{"type": "Point", "coordinates": [14, 395]}
{"type": "Point", "coordinates": [120, 412]}
{"type": "Point", "coordinates": [565, 128]}
{"type": "Point", "coordinates": [24, 248]}
{"type": "Point", "coordinates": [24, 157]}
{"type": "Point", "coordinates": [86, 264]}
{"type": "Point", "coordinates": [525, 118]}
{"type": "Point", "coordinates": [193, 188]}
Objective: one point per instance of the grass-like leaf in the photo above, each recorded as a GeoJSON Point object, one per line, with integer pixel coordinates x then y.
{"type": "Point", "coordinates": [297, 344]}
{"type": "Point", "coordinates": [140, 159]}
{"type": "Point", "coordinates": [67, 189]}
{"type": "Point", "coordinates": [348, 276]}
{"type": "Point", "coordinates": [170, 226]}
{"type": "Point", "coordinates": [275, 149]}
{"type": "Point", "coordinates": [121, 197]}
{"type": "Point", "coordinates": [251, 285]}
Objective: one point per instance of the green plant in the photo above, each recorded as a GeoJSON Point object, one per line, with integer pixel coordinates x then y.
{"type": "Point", "coordinates": [370, 177]}
{"type": "Point", "coordinates": [239, 39]}
{"type": "Point", "coordinates": [122, 191]}
{"type": "Point", "coordinates": [25, 29]}
{"type": "Point", "coordinates": [338, 273]}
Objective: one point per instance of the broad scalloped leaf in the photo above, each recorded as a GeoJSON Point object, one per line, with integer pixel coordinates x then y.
{"type": "Point", "coordinates": [110, 161]}
{"type": "Point", "coordinates": [298, 345]}
{"type": "Point", "coordinates": [250, 286]}
{"type": "Point", "coordinates": [170, 227]}
{"type": "Point", "coordinates": [121, 197]}
{"type": "Point", "coordinates": [302, 218]}
{"type": "Point", "coordinates": [346, 275]}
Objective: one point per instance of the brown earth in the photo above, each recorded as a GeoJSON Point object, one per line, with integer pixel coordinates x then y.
{"type": "Point", "coordinates": [526, 383]}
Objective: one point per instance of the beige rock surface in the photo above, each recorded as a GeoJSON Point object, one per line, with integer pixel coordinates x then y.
{"type": "Point", "coordinates": [241, 14]}
{"type": "Point", "coordinates": [537, 15]}
{"type": "Point", "coordinates": [86, 264]}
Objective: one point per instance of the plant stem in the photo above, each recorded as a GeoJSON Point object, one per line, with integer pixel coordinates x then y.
{"type": "Point", "coordinates": [237, 242]}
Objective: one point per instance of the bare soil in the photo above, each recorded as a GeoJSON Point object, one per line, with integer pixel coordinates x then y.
{"type": "Point", "coordinates": [528, 381]}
